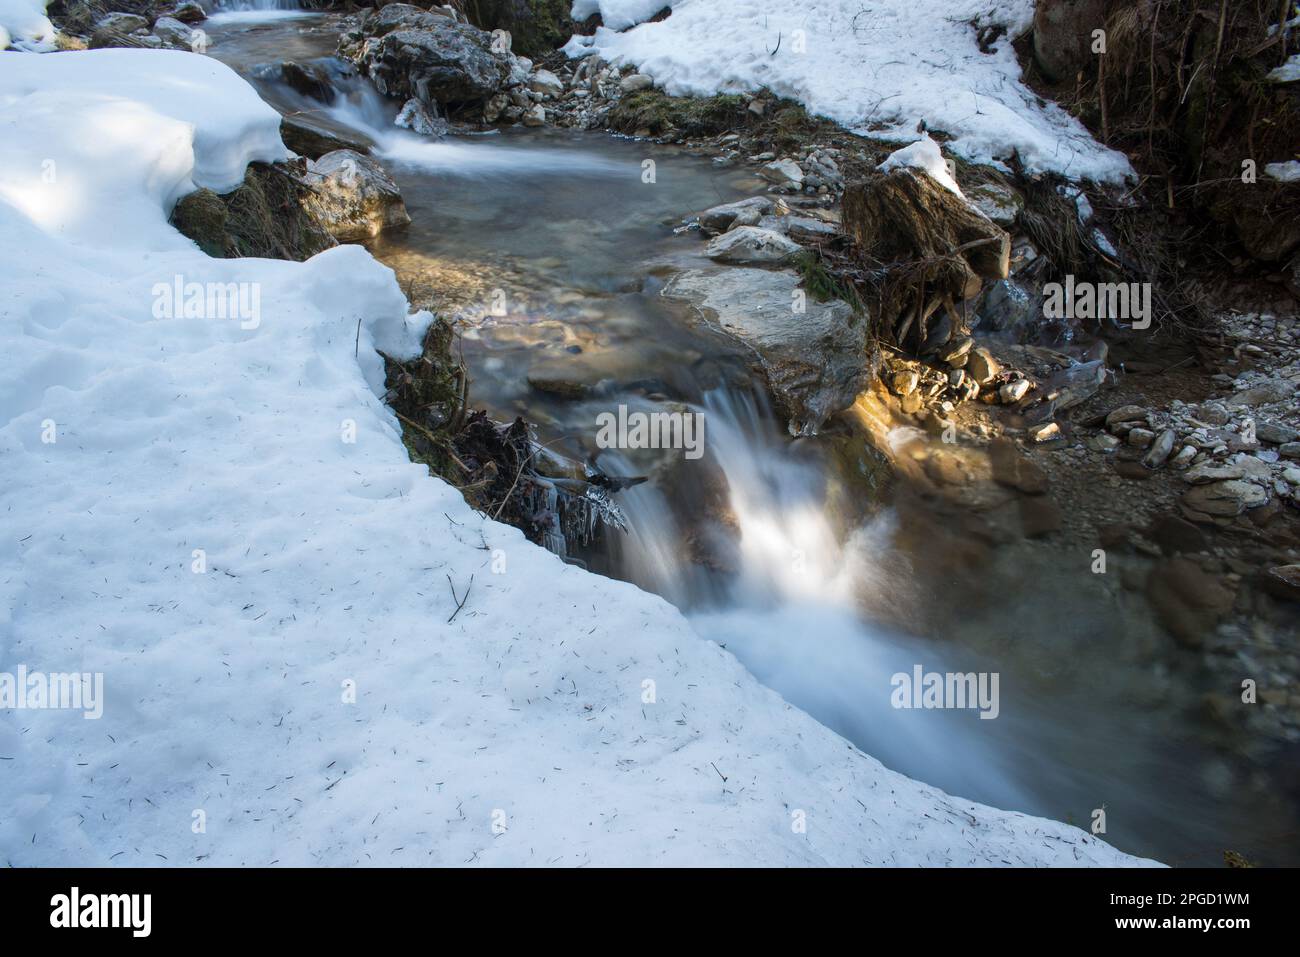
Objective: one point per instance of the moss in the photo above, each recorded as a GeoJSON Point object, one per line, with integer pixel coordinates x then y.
{"type": "Point", "coordinates": [263, 217]}
{"type": "Point", "coordinates": [428, 394]}
{"type": "Point", "coordinates": [822, 285]}
{"type": "Point", "coordinates": [656, 111]}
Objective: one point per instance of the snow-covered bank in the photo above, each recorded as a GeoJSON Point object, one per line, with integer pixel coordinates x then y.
{"type": "Point", "coordinates": [218, 515]}
{"type": "Point", "coordinates": [876, 68]}
{"type": "Point", "coordinates": [24, 25]}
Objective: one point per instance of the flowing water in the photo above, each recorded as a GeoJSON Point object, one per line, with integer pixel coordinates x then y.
{"type": "Point", "coordinates": [550, 247]}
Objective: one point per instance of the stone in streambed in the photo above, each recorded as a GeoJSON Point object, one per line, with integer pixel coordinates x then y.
{"type": "Point", "coordinates": [1188, 601]}
{"type": "Point", "coordinates": [1014, 469]}
{"type": "Point", "coordinates": [750, 244]}
{"type": "Point", "coordinates": [353, 196]}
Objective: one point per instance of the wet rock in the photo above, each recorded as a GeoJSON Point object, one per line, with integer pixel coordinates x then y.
{"type": "Point", "coordinates": [813, 361]}
{"type": "Point", "coordinates": [308, 138]}
{"type": "Point", "coordinates": [415, 116]}
{"type": "Point", "coordinates": [802, 228]}
{"type": "Point", "coordinates": [1188, 601]}
{"type": "Point", "coordinates": [1014, 469]}
{"type": "Point", "coordinates": [749, 244]}
{"type": "Point", "coordinates": [189, 12]}
{"type": "Point", "coordinates": [425, 54]}
{"type": "Point", "coordinates": [310, 79]}
{"type": "Point", "coordinates": [353, 196]}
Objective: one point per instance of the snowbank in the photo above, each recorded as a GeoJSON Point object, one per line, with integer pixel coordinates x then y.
{"type": "Point", "coordinates": [219, 517]}
{"type": "Point", "coordinates": [24, 25]}
{"type": "Point", "coordinates": [876, 68]}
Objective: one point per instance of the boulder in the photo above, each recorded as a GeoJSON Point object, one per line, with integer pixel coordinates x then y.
{"type": "Point", "coordinates": [177, 35]}
{"type": "Point", "coordinates": [415, 116]}
{"type": "Point", "coordinates": [1063, 35]}
{"type": "Point", "coordinates": [750, 244]}
{"type": "Point", "coordinates": [353, 196]}
{"type": "Point", "coordinates": [814, 361]}
{"type": "Point", "coordinates": [266, 216]}
{"type": "Point", "coordinates": [189, 12]}
{"type": "Point", "coordinates": [785, 173]}
{"type": "Point", "coordinates": [426, 54]}
{"type": "Point", "coordinates": [546, 83]}
{"type": "Point", "coordinates": [536, 27]}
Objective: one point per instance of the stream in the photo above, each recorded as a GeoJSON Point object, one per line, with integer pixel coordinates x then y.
{"type": "Point", "coordinates": [550, 250]}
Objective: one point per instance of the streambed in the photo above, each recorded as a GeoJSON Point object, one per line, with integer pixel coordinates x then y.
{"type": "Point", "coordinates": [551, 249]}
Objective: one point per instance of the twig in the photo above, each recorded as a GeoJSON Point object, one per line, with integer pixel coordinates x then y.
{"type": "Point", "coordinates": [460, 602]}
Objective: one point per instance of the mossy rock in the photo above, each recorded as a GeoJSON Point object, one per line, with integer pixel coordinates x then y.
{"type": "Point", "coordinates": [264, 217]}
{"type": "Point", "coordinates": [660, 113]}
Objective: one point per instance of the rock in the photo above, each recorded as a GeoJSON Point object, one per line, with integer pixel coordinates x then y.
{"type": "Point", "coordinates": [956, 349]}
{"type": "Point", "coordinates": [998, 201]}
{"type": "Point", "coordinates": [1127, 413]}
{"type": "Point", "coordinates": [803, 228]}
{"type": "Point", "coordinates": [353, 196]}
{"type": "Point", "coordinates": [117, 30]}
{"type": "Point", "coordinates": [1277, 433]}
{"type": "Point", "coordinates": [1160, 449]}
{"type": "Point", "coordinates": [982, 367]}
{"type": "Point", "coordinates": [783, 173]}
{"type": "Point", "coordinates": [546, 83]}
{"type": "Point", "coordinates": [1140, 438]}
{"type": "Point", "coordinates": [306, 137]}
{"type": "Point", "coordinates": [1222, 499]}
{"type": "Point", "coordinates": [415, 116]}
{"type": "Point", "coordinates": [1213, 471]}
{"type": "Point", "coordinates": [311, 79]}
{"type": "Point", "coordinates": [813, 361]}
{"type": "Point", "coordinates": [748, 217]}
{"type": "Point", "coordinates": [266, 216]}
{"type": "Point", "coordinates": [535, 116]}
{"type": "Point", "coordinates": [1063, 35]}
{"type": "Point", "coordinates": [1130, 469]}
{"type": "Point", "coordinates": [718, 219]}
{"type": "Point", "coordinates": [1012, 392]}
{"type": "Point", "coordinates": [1289, 450]}
{"type": "Point", "coordinates": [1044, 432]}
{"type": "Point", "coordinates": [534, 27]}
{"type": "Point", "coordinates": [636, 81]}
{"type": "Point", "coordinates": [177, 35]}
{"type": "Point", "coordinates": [1173, 535]}
{"type": "Point", "coordinates": [1077, 383]}
{"type": "Point", "coordinates": [749, 244]}
{"type": "Point", "coordinates": [1282, 581]}
{"type": "Point", "coordinates": [1184, 458]}
{"type": "Point", "coordinates": [1008, 306]}
{"type": "Point", "coordinates": [565, 389]}
{"type": "Point", "coordinates": [1274, 390]}
{"type": "Point", "coordinates": [946, 469]}
{"type": "Point", "coordinates": [1014, 469]}
{"type": "Point", "coordinates": [1103, 442]}
{"type": "Point", "coordinates": [410, 52]}
{"type": "Point", "coordinates": [494, 107]}
{"type": "Point", "coordinates": [911, 403]}
{"type": "Point", "coordinates": [1188, 601]}
{"type": "Point", "coordinates": [189, 12]}
{"type": "Point", "coordinates": [905, 381]}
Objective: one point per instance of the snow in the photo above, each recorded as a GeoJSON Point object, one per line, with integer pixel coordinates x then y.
{"type": "Point", "coordinates": [617, 14]}
{"type": "Point", "coordinates": [1288, 172]}
{"type": "Point", "coordinates": [24, 25]}
{"type": "Point", "coordinates": [201, 532]}
{"type": "Point", "coordinates": [877, 68]}
{"type": "Point", "coordinates": [923, 154]}
{"type": "Point", "coordinates": [1288, 72]}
